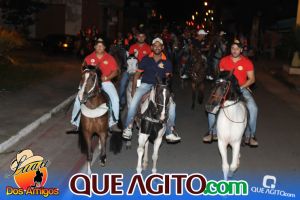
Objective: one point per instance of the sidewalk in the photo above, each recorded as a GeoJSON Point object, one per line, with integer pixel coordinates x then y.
{"type": "Point", "coordinates": [275, 68]}
{"type": "Point", "coordinates": [20, 108]}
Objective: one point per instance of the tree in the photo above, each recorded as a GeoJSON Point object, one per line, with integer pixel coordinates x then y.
{"type": "Point", "coordinates": [19, 14]}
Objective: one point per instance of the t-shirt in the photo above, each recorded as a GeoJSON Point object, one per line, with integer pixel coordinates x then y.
{"type": "Point", "coordinates": [150, 68]}
{"type": "Point", "coordinates": [142, 50]}
{"type": "Point", "coordinates": [240, 67]}
{"type": "Point", "coordinates": [106, 64]}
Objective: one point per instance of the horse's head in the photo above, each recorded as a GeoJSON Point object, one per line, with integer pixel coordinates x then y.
{"type": "Point", "coordinates": [132, 64]}
{"type": "Point", "coordinates": [162, 98]}
{"type": "Point", "coordinates": [89, 84]}
{"type": "Point", "coordinates": [225, 88]}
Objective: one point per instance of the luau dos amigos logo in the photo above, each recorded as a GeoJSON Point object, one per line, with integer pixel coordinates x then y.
{"type": "Point", "coordinates": [30, 175]}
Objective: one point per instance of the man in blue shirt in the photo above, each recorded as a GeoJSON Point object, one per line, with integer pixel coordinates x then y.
{"type": "Point", "coordinates": [154, 64]}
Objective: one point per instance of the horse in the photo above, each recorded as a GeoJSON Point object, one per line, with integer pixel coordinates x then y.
{"type": "Point", "coordinates": [197, 74]}
{"type": "Point", "coordinates": [227, 102]}
{"type": "Point", "coordinates": [152, 124]}
{"type": "Point", "coordinates": [94, 118]}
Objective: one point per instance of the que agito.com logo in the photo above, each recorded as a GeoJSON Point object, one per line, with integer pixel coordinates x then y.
{"type": "Point", "coordinates": [30, 175]}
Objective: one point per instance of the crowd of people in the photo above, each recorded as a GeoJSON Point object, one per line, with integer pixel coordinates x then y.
{"type": "Point", "coordinates": [164, 53]}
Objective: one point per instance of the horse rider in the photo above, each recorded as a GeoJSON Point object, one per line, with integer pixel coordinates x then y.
{"type": "Point", "coordinates": [216, 52]}
{"type": "Point", "coordinates": [243, 70]}
{"type": "Point", "coordinates": [139, 49]}
{"type": "Point", "coordinates": [184, 54]}
{"type": "Point", "coordinates": [155, 64]}
{"type": "Point", "coordinates": [109, 68]}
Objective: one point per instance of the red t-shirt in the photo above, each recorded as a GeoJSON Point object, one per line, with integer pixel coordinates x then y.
{"type": "Point", "coordinates": [240, 67]}
{"type": "Point", "coordinates": [107, 63]}
{"type": "Point", "coordinates": [142, 50]}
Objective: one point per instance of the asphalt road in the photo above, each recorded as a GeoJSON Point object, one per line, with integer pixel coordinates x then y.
{"type": "Point", "coordinates": [278, 153]}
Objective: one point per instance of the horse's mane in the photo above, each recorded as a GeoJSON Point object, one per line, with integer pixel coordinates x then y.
{"type": "Point", "coordinates": [235, 88]}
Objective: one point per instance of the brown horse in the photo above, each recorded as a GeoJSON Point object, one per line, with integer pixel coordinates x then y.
{"type": "Point", "coordinates": [94, 114]}
{"type": "Point", "coordinates": [197, 74]}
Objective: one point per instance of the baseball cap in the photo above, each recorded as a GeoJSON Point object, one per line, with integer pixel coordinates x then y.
{"type": "Point", "coordinates": [100, 40]}
{"type": "Point", "coordinates": [202, 32]}
{"type": "Point", "coordinates": [238, 43]}
{"type": "Point", "coordinates": [157, 40]}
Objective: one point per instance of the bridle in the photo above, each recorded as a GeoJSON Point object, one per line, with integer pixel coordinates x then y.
{"type": "Point", "coordinates": [92, 92]}
{"type": "Point", "coordinates": [224, 98]}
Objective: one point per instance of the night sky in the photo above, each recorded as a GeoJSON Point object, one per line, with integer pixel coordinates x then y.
{"type": "Point", "coordinates": [240, 11]}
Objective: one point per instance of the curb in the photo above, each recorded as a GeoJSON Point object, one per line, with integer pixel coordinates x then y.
{"type": "Point", "coordinates": [32, 126]}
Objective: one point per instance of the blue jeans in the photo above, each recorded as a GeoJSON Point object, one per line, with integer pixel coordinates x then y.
{"type": "Point", "coordinates": [110, 89]}
{"type": "Point", "coordinates": [143, 89]}
{"type": "Point", "coordinates": [252, 109]}
{"type": "Point", "coordinates": [123, 86]}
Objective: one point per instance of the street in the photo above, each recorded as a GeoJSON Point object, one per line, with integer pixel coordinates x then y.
{"type": "Point", "coordinates": [278, 153]}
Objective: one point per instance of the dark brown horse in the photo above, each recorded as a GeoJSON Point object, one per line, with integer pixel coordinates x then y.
{"type": "Point", "coordinates": [94, 114]}
{"type": "Point", "coordinates": [197, 74]}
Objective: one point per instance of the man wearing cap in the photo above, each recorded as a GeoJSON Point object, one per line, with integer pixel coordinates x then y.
{"type": "Point", "coordinates": [139, 49]}
{"type": "Point", "coordinates": [109, 68]}
{"type": "Point", "coordinates": [244, 72]}
{"type": "Point", "coordinates": [152, 65]}
{"type": "Point", "coordinates": [200, 42]}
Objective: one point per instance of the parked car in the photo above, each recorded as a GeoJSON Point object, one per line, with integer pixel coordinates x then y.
{"type": "Point", "coordinates": [59, 43]}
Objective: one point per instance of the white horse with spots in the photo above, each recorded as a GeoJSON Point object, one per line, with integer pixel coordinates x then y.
{"type": "Point", "coordinates": [152, 125]}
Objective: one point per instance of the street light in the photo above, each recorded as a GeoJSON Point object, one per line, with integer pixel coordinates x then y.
{"type": "Point", "coordinates": [206, 14]}
{"type": "Point", "coordinates": [193, 17]}
{"type": "Point", "coordinates": [212, 18]}
{"type": "Point", "coordinates": [197, 13]}
{"type": "Point", "coordinates": [205, 3]}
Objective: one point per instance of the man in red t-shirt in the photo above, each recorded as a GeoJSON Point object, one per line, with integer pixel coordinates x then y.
{"type": "Point", "coordinates": [109, 69]}
{"type": "Point", "coordinates": [244, 72]}
{"type": "Point", "coordinates": [139, 50]}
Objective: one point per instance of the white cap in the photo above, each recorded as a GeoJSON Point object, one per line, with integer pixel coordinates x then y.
{"type": "Point", "coordinates": [157, 40]}
{"type": "Point", "coordinates": [202, 32]}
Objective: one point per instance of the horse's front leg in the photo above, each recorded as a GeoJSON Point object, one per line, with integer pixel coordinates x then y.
{"type": "Point", "coordinates": [103, 138]}
{"type": "Point", "coordinates": [223, 151]}
{"type": "Point", "coordinates": [140, 151]}
{"type": "Point", "coordinates": [157, 143]}
{"type": "Point", "coordinates": [235, 158]}
{"type": "Point", "coordinates": [193, 94]}
{"type": "Point", "coordinates": [201, 93]}
{"type": "Point", "coordinates": [88, 141]}
{"type": "Point", "coordinates": [145, 157]}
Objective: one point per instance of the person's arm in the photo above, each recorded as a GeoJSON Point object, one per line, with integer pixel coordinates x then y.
{"type": "Point", "coordinates": [112, 75]}
{"type": "Point", "coordinates": [251, 79]}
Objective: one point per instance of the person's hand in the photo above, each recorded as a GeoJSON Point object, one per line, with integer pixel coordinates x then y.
{"type": "Point", "coordinates": [103, 78]}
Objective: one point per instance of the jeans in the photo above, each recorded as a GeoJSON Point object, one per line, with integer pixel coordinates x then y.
{"type": "Point", "coordinates": [123, 86]}
{"type": "Point", "coordinates": [143, 89]}
{"type": "Point", "coordinates": [110, 89]}
{"type": "Point", "coordinates": [252, 109]}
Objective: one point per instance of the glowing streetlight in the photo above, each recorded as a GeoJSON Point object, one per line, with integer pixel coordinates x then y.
{"type": "Point", "coordinates": [205, 19]}
{"type": "Point", "coordinates": [197, 13]}
{"type": "Point", "coordinates": [212, 18]}
{"type": "Point", "coordinates": [205, 3]}
{"type": "Point", "coordinates": [193, 17]}
{"type": "Point", "coordinates": [206, 13]}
